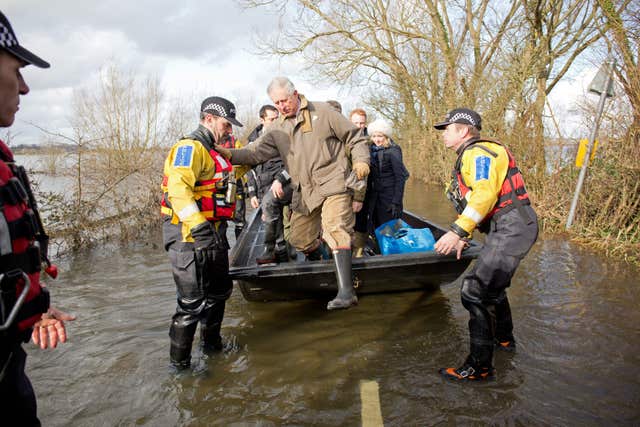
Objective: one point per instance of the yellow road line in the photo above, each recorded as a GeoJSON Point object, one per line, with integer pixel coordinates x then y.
{"type": "Point", "coordinates": [370, 398]}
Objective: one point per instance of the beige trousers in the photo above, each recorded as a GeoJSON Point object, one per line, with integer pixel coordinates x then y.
{"type": "Point", "coordinates": [334, 219]}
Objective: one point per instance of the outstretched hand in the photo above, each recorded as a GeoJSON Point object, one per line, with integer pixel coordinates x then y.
{"type": "Point", "coordinates": [224, 152]}
{"type": "Point", "coordinates": [361, 169]}
{"type": "Point", "coordinates": [50, 328]}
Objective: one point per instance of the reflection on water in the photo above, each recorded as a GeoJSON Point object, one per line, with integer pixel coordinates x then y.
{"type": "Point", "coordinates": [575, 314]}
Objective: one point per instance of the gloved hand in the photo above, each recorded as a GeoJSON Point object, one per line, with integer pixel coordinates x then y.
{"type": "Point", "coordinates": [361, 169]}
{"type": "Point", "coordinates": [395, 210]}
{"type": "Point", "coordinates": [205, 236]}
{"type": "Point", "coordinates": [224, 152]}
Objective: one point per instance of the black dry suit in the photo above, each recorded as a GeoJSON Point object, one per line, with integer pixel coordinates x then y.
{"type": "Point", "coordinates": [511, 229]}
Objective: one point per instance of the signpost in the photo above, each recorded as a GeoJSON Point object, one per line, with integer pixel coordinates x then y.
{"type": "Point", "coordinates": [602, 85]}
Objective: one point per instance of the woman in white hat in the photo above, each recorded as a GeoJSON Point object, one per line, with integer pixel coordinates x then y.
{"type": "Point", "coordinates": [388, 175]}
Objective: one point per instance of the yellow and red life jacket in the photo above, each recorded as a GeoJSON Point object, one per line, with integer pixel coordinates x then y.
{"type": "Point", "coordinates": [19, 252]}
{"type": "Point", "coordinates": [209, 194]}
{"type": "Point", "coordinates": [513, 192]}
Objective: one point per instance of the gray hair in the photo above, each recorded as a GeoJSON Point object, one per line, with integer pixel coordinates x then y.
{"type": "Point", "coordinates": [281, 83]}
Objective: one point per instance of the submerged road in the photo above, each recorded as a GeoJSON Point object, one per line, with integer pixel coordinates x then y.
{"type": "Point", "coordinates": [293, 363]}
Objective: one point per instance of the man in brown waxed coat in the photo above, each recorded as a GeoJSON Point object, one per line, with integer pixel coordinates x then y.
{"type": "Point", "coordinates": [311, 138]}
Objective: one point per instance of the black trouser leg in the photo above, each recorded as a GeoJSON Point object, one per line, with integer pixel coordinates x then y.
{"type": "Point", "coordinates": [183, 328]}
{"type": "Point", "coordinates": [210, 326]}
{"type": "Point", "coordinates": [282, 253]}
{"type": "Point", "coordinates": [346, 296]}
{"type": "Point", "coordinates": [17, 399]}
{"type": "Point", "coordinates": [481, 324]}
{"type": "Point", "coordinates": [268, 254]}
{"type": "Point", "coordinates": [504, 323]}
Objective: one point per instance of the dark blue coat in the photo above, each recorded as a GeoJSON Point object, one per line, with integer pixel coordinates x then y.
{"type": "Point", "coordinates": [386, 182]}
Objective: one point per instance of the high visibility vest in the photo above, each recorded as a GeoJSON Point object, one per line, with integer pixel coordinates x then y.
{"type": "Point", "coordinates": [512, 193]}
{"type": "Point", "coordinates": [210, 194]}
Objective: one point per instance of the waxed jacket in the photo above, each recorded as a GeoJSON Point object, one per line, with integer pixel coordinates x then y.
{"type": "Point", "coordinates": [260, 178]}
{"type": "Point", "coordinates": [312, 145]}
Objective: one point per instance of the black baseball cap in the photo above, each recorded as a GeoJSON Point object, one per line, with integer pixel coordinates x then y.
{"type": "Point", "coordinates": [220, 107]}
{"type": "Point", "coordinates": [9, 42]}
{"type": "Point", "coordinates": [463, 116]}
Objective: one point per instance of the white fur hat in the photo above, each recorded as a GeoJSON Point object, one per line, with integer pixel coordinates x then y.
{"type": "Point", "coordinates": [380, 125]}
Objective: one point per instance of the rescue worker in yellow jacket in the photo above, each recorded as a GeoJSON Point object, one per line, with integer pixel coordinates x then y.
{"type": "Point", "coordinates": [198, 197]}
{"type": "Point", "coordinates": [488, 192]}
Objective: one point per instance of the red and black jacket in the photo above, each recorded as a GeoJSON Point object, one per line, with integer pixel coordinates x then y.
{"type": "Point", "coordinates": [19, 248]}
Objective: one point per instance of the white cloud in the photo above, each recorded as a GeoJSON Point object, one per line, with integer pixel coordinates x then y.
{"type": "Point", "coordinates": [196, 49]}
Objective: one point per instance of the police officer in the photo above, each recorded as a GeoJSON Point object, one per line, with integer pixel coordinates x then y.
{"type": "Point", "coordinates": [312, 138]}
{"type": "Point", "coordinates": [198, 197]}
{"type": "Point", "coordinates": [489, 194]}
{"type": "Point", "coordinates": [24, 308]}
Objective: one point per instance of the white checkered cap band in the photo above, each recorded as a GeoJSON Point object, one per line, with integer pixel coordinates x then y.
{"type": "Point", "coordinates": [219, 109]}
{"type": "Point", "coordinates": [7, 39]}
{"type": "Point", "coordinates": [464, 116]}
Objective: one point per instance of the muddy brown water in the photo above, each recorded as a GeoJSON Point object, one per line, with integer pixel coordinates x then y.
{"type": "Point", "coordinates": [292, 363]}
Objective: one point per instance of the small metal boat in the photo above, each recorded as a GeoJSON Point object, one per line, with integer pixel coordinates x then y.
{"type": "Point", "coordinates": [316, 279]}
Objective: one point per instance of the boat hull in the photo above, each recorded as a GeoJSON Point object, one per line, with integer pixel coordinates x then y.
{"type": "Point", "coordinates": [316, 279]}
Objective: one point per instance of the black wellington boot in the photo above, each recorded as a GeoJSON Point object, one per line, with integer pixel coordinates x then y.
{"type": "Point", "coordinates": [181, 339]}
{"type": "Point", "coordinates": [282, 252]}
{"type": "Point", "coordinates": [268, 256]}
{"type": "Point", "coordinates": [210, 329]}
{"type": "Point", "coordinates": [346, 293]}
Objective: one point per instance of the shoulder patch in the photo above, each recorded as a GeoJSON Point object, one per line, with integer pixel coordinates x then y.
{"type": "Point", "coordinates": [483, 163]}
{"type": "Point", "coordinates": [183, 156]}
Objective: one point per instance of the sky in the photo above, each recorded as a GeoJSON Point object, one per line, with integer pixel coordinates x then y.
{"type": "Point", "coordinates": [195, 49]}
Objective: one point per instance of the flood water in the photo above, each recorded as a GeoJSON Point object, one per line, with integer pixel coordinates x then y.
{"type": "Point", "coordinates": [576, 320]}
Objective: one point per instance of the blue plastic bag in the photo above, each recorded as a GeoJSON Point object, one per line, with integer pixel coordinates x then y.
{"type": "Point", "coordinates": [397, 237]}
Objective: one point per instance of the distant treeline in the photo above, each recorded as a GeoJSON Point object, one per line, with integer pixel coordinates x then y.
{"type": "Point", "coordinates": [43, 149]}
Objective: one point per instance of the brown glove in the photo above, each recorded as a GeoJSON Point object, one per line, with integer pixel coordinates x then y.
{"type": "Point", "coordinates": [361, 169]}
{"type": "Point", "coordinates": [224, 152]}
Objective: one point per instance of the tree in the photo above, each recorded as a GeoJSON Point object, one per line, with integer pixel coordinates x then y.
{"type": "Point", "coordinates": [424, 57]}
{"type": "Point", "coordinates": [121, 131]}
{"type": "Point", "coordinates": [623, 19]}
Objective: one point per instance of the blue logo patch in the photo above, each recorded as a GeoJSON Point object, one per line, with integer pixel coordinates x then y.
{"type": "Point", "coordinates": [483, 163]}
{"type": "Point", "coordinates": [183, 156]}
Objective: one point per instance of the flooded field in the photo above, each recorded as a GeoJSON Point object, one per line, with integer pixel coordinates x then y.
{"type": "Point", "coordinates": [293, 363]}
